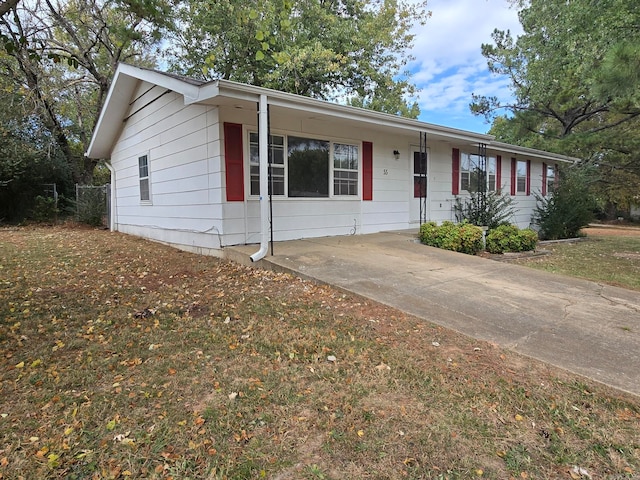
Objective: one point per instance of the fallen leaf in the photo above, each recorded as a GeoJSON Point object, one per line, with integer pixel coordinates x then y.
{"type": "Point", "coordinates": [579, 472]}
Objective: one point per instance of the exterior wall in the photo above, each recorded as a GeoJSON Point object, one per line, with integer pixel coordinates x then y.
{"type": "Point", "coordinates": [188, 206]}
{"type": "Point", "coordinates": [295, 218]}
{"type": "Point", "coordinates": [183, 149]}
{"type": "Point", "coordinates": [391, 207]}
{"type": "Point", "coordinates": [441, 200]}
{"type": "Point", "coordinates": [524, 205]}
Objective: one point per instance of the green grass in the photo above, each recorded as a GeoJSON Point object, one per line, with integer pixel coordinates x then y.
{"type": "Point", "coordinates": [610, 259]}
{"type": "Point", "coordinates": [123, 358]}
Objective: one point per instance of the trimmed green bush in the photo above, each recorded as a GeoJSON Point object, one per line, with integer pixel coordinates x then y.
{"type": "Point", "coordinates": [461, 237]}
{"type": "Point", "coordinates": [509, 238]}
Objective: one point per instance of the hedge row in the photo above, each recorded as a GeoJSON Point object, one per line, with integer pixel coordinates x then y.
{"type": "Point", "coordinates": [467, 238]}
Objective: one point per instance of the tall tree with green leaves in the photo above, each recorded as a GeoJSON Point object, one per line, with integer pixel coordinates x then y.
{"type": "Point", "coordinates": [349, 49]}
{"type": "Point", "coordinates": [574, 76]}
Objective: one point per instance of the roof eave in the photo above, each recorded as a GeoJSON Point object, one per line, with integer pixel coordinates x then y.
{"type": "Point", "coordinates": [532, 152]}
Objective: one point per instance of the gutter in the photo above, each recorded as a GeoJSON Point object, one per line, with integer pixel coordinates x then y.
{"type": "Point", "coordinates": [112, 193]}
{"type": "Point", "coordinates": [263, 142]}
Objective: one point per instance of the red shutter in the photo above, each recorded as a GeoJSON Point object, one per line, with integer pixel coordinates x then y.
{"type": "Point", "coordinates": [233, 162]}
{"type": "Point", "coordinates": [514, 167]}
{"type": "Point", "coordinates": [499, 173]}
{"type": "Point", "coordinates": [455, 171]}
{"type": "Point", "coordinates": [544, 179]}
{"type": "Point", "coordinates": [367, 171]}
{"type": "Point", "coordinates": [528, 177]}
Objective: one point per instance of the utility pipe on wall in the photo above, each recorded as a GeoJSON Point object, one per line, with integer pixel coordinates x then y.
{"type": "Point", "coordinates": [263, 152]}
{"type": "Point", "coordinates": [112, 192]}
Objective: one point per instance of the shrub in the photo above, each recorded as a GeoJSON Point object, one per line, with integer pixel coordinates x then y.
{"type": "Point", "coordinates": [567, 210]}
{"type": "Point", "coordinates": [462, 237]}
{"type": "Point", "coordinates": [509, 238]}
{"type": "Point", "coordinates": [91, 205]}
{"type": "Point", "coordinates": [488, 209]}
{"type": "Point", "coordinates": [45, 209]}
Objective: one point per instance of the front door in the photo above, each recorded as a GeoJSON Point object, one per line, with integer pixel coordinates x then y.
{"type": "Point", "coordinates": [419, 186]}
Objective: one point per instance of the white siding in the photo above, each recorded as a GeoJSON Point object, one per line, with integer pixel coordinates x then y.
{"type": "Point", "coordinates": [188, 207]}
{"type": "Point", "coordinates": [183, 151]}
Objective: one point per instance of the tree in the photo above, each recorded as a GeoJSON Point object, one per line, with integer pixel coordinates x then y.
{"type": "Point", "coordinates": [29, 158]}
{"type": "Point", "coordinates": [7, 6]}
{"type": "Point", "coordinates": [574, 78]}
{"type": "Point", "coordinates": [325, 49]}
{"type": "Point", "coordinates": [569, 209]}
{"type": "Point", "coordinates": [63, 55]}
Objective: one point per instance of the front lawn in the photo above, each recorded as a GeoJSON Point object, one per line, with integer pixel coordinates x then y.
{"type": "Point", "coordinates": [123, 358]}
{"type": "Point", "coordinates": [605, 255]}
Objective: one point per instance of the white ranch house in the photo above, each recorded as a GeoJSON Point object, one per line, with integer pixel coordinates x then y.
{"type": "Point", "coordinates": [189, 159]}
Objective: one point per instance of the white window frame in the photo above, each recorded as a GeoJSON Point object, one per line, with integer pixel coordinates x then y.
{"type": "Point", "coordinates": [490, 177]}
{"type": "Point", "coordinates": [333, 169]}
{"type": "Point", "coordinates": [144, 179]}
{"type": "Point", "coordinates": [275, 167]}
{"type": "Point", "coordinates": [551, 179]}
{"type": "Point", "coordinates": [521, 175]}
{"type": "Point", "coordinates": [346, 168]}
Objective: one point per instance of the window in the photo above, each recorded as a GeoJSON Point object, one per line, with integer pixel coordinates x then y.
{"type": "Point", "coordinates": [276, 157]}
{"type": "Point", "coordinates": [521, 176]}
{"type": "Point", "coordinates": [551, 179]}
{"type": "Point", "coordinates": [308, 167]}
{"type": "Point", "coordinates": [492, 175]}
{"type": "Point", "coordinates": [473, 177]}
{"type": "Point", "coordinates": [143, 172]}
{"type": "Point", "coordinates": [419, 175]}
{"type": "Point", "coordinates": [345, 169]}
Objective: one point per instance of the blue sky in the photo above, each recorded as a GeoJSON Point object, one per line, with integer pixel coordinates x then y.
{"type": "Point", "coordinates": [449, 66]}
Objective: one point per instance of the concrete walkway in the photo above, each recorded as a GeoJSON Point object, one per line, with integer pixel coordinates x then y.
{"type": "Point", "coordinates": [580, 326]}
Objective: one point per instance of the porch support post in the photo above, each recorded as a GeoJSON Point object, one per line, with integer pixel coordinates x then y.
{"type": "Point", "coordinates": [263, 153]}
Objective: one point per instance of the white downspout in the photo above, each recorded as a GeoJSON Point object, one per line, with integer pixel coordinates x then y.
{"type": "Point", "coordinates": [112, 213]}
{"type": "Point", "coordinates": [263, 151]}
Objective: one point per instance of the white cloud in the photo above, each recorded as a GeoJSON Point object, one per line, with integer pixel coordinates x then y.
{"type": "Point", "coordinates": [448, 64]}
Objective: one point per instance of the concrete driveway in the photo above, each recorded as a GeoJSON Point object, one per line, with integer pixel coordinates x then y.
{"type": "Point", "coordinates": [584, 327]}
